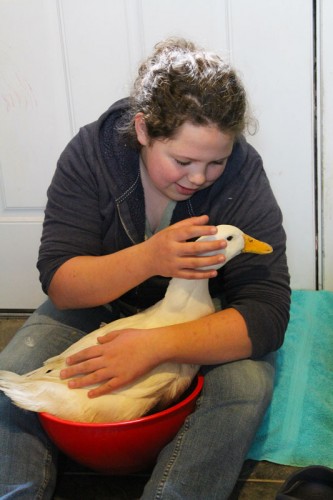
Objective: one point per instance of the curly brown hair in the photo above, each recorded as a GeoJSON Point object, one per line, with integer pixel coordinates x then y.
{"type": "Point", "coordinates": [180, 82]}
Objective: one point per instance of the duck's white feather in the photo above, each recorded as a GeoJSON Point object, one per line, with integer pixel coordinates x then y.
{"type": "Point", "coordinates": [42, 390]}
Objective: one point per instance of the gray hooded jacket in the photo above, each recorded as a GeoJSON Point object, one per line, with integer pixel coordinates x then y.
{"type": "Point", "coordinates": [96, 206]}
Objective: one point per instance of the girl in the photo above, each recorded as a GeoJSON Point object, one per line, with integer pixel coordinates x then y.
{"type": "Point", "coordinates": [131, 193]}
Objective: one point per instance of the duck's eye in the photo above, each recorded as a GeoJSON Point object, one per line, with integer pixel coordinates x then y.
{"type": "Point", "coordinates": [229, 238]}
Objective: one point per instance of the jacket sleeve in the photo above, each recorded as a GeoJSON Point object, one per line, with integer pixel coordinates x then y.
{"type": "Point", "coordinates": [72, 223]}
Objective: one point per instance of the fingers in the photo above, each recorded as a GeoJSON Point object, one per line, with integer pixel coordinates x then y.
{"type": "Point", "coordinates": [108, 337]}
{"type": "Point", "coordinates": [86, 373]}
{"type": "Point", "coordinates": [103, 389]}
{"type": "Point", "coordinates": [188, 229]}
{"type": "Point", "coordinates": [84, 354]}
{"type": "Point", "coordinates": [82, 362]}
{"type": "Point", "coordinates": [95, 373]}
{"type": "Point", "coordinates": [74, 371]}
{"type": "Point", "coordinates": [93, 378]}
{"type": "Point", "coordinates": [197, 274]}
{"type": "Point", "coordinates": [182, 254]}
{"type": "Point", "coordinates": [100, 366]}
{"type": "Point", "coordinates": [199, 248]}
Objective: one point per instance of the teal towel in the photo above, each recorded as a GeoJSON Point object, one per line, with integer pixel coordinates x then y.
{"type": "Point", "coordinates": [298, 426]}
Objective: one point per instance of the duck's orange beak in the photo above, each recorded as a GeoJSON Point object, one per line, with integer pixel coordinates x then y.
{"type": "Point", "coordinates": [251, 245]}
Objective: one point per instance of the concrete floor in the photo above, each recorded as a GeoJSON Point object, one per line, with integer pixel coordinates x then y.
{"type": "Point", "coordinates": [257, 481]}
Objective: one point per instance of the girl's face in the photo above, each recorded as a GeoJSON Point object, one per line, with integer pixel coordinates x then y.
{"type": "Point", "coordinates": [190, 161]}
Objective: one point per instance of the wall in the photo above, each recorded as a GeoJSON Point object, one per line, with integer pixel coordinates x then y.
{"type": "Point", "coordinates": [64, 62]}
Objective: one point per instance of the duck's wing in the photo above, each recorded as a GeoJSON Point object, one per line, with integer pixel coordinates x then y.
{"type": "Point", "coordinates": [159, 388]}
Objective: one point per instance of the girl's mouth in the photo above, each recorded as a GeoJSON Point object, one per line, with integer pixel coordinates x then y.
{"type": "Point", "coordinates": [185, 191]}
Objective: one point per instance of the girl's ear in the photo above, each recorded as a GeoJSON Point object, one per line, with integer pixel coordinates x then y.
{"type": "Point", "coordinates": [141, 129]}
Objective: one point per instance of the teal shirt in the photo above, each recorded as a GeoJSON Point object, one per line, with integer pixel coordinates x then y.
{"type": "Point", "coordinates": [165, 220]}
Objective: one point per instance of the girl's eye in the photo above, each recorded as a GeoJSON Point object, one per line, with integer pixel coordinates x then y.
{"type": "Point", "coordinates": [183, 163]}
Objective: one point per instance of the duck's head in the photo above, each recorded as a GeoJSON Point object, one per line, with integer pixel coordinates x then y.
{"type": "Point", "coordinates": [237, 242]}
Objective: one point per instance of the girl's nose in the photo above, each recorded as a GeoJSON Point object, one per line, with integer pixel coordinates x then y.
{"type": "Point", "coordinates": [198, 178]}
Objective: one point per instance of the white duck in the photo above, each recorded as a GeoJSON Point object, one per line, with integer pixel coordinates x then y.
{"type": "Point", "coordinates": [43, 391]}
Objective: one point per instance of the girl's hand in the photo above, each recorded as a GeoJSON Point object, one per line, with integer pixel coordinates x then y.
{"type": "Point", "coordinates": [174, 255]}
{"type": "Point", "coordinates": [121, 357]}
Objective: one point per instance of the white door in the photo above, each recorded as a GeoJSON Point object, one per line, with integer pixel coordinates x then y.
{"type": "Point", "coordinates": [325, 62]}
{"type": "Point", "coordinates": [64, 62]}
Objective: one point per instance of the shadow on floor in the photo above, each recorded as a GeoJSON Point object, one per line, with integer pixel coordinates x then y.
{"type": "Point", "coordinates": [257, 481]}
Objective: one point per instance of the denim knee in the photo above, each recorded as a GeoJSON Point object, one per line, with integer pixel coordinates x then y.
{"type": "Point", "coordinates": [48, 332]}
{"type": "Point", "coordinates": [240, 381]}
{"type": "Point", "coordinates": [35, 343]}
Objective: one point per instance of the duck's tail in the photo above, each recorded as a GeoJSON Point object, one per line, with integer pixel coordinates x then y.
{"type": "Point", "coordinates": [23, 392]}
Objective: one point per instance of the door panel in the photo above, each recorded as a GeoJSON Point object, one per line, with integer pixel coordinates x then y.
{"type": "Point", "coordinates": [34, 126]}
{"type": "Point", "coordinates": [326, 67]}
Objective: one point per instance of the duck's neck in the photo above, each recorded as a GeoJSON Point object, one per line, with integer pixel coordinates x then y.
{"type": "Point", "coordinates": [189, 299]}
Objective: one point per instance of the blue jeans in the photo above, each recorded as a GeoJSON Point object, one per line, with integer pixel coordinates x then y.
{"type": "Point", "coordinates": [204, 459]}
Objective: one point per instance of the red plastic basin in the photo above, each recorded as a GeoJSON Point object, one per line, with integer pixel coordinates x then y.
{"type": "Point", "coordinates": [121, 447]}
